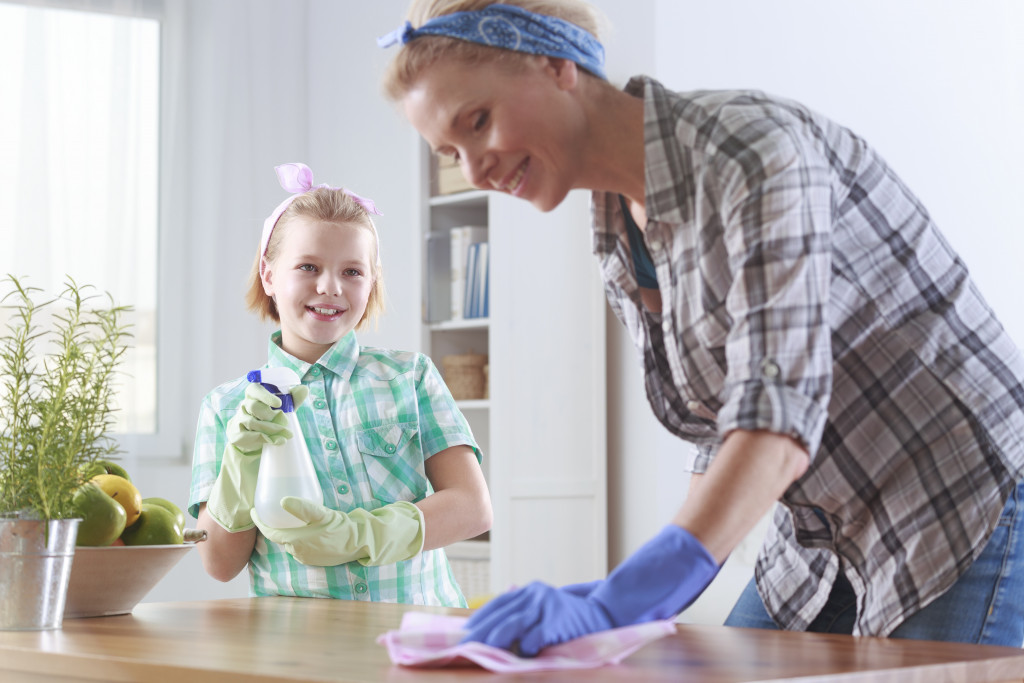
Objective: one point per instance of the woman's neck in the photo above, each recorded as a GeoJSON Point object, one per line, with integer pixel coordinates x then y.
{"type": "Point", "coordinates": [615, 158]}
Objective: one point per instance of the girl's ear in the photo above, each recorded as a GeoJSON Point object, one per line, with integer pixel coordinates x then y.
{"type": "Point", "coordinates": [266, 277]}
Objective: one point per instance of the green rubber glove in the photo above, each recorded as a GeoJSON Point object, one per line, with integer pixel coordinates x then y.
{"type": "Point", "coordinates": [256, 423]}
{"type": "Point", "coordinates": [371, 537]}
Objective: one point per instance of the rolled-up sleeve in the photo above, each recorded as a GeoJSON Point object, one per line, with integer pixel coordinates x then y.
{"type": "Point", "coordinates": [777, 210]}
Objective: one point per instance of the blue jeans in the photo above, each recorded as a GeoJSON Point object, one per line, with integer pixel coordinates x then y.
{"type": "Point", "coordinates": [985, 605]}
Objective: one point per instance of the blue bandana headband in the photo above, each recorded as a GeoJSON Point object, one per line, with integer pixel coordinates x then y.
{"type": "Point", "coordinates": [511, 28]}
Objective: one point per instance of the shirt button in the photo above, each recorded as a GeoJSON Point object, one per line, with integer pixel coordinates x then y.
{"type": "Point", "coordinates": [320, 403]}
{"type": "Point", "coordinates": [331, 445]}
{"type": "Point", "coordinates": [342, 489]}
{"type": "Point", "coordinates": [769, 369]}
{"type": "Point", "coordinates": [692, 405]}
{"type": "Point", "coordinates": [314, 370]}
{"type": "Point", "coordinates": [390, 448]}
{"type": "Point", "coordinates": [361, 588]}
{"type": "Point", "coordinates": [655, 245]}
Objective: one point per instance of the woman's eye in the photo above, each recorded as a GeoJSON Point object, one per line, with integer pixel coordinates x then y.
{"type": "Point", "coordinates": [308, 267]}
{"type": "Point", "coordinates": [481, 120]}
{"type": "Point", "coordinates": [353, 272]}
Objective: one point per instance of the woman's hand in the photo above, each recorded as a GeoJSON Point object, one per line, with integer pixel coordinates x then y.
{"type": "Point", "coordinates": [657, 582]}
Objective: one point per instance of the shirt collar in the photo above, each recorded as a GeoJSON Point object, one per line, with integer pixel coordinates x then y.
{"type": "Point", "coordinates": [340, 359]}
{"type": "Point", "coordinates": [662, 148]}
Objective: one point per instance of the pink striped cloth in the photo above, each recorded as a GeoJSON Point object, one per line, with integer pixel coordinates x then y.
{"type": "Point", "coordinates": [432, 640]}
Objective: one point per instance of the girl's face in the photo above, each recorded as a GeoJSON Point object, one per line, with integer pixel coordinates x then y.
{"type": "Point", "coordinates": [515, 131]}
{"type": "Point", "coordinates": [321, 280]}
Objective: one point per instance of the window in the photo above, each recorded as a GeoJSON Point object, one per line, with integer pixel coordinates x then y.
{"type": "Point", "coordinates": [79, 126]}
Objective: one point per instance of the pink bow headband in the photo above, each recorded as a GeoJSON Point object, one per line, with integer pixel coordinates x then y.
{"type": "Point", "coordinates": [298, 179]}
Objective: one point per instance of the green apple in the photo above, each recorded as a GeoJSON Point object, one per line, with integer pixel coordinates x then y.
{"type": "Point", "coordinates": [179, 516]}
{"type": "Point", "coordinates": [103, 518]}
{"type": "Point", "coordinates": [156, 526]}
{"type": "Point", "coordinates": [102, 466]}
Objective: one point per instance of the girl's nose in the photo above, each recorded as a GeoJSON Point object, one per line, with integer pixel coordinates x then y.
{"type": "Point", "coordinates": [329, 284]}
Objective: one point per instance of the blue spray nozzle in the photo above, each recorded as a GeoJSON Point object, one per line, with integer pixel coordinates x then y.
{"type": "Point", "coordinates": [277, 381]}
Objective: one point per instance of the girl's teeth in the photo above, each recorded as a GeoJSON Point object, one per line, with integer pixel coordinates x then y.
{"type": "Point", "coordinates": [324, 311]}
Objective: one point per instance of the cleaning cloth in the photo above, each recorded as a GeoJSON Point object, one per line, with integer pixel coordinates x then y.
{"type": "Point", "coordinates": [432, 641]}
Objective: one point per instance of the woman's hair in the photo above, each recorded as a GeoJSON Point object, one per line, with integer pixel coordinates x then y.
{"type": "Point", "coordinates": [329, 206]}
{"type": "Point", "coordinates": [423, 51]}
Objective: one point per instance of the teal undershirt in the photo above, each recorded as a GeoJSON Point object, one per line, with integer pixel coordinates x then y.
{"type": "Point", "coordinates": [642, 263]}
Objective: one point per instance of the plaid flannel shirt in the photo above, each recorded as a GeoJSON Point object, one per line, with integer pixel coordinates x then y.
{"type": "Point", "coordinates": [807, 292]}
{"type": "Point", "coordinates": [372, 418]}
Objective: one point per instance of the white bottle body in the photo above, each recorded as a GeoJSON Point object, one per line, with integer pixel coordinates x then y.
{"type": "Point", "coordinates": [285, 470]}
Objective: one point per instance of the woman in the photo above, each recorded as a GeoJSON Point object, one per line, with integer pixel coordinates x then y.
{"type": "Point", "coordinates": [800, 318]}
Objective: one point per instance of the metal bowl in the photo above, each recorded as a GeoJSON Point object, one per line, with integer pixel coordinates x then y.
{"type": "Point", "coordinates": [113, 579]}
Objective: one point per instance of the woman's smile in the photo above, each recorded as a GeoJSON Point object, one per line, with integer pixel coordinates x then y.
{"type": "Point", "coordinates": [514, 182]}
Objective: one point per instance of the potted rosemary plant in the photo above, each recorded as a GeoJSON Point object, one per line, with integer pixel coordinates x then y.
{"type": "Point", "coordinates": [58, 361]}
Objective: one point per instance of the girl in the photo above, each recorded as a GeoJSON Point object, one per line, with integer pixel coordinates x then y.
{"type": "Point", "coordinates": [800, 318]}
{"type": "Point", "coordinates": [396, 460]}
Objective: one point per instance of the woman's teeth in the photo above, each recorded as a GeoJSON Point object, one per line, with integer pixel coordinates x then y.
{"type": "Point", "coordinates": [513, 182]}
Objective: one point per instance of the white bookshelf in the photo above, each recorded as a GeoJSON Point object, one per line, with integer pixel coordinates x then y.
{"type": "Point", "coordinates": [542, 427]}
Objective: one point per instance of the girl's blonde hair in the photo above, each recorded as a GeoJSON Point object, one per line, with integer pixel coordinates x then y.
{"type": "Point", "coordinates": [329, 206]}
{"type": "Point", "coordinates": [423, 51]}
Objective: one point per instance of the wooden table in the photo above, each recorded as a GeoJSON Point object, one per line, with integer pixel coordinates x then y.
{"type": "Point", "coordinates": [295, 639]}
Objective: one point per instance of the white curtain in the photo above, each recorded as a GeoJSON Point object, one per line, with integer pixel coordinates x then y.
{"type": "Point", "coordinates": [237, 94]}
{"type": "Point", "coordinates": [78, 182]}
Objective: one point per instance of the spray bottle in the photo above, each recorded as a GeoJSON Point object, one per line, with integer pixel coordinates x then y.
{"type": "Point", "coordinates": [285, 470]}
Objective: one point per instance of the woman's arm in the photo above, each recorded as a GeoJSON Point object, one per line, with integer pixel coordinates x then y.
{"type": "Point", "coordinates": [748, 475]}
{"type": "Point", "coordinates": [223, 554]}
{"type": "Point", "coordinates": [460, 506]}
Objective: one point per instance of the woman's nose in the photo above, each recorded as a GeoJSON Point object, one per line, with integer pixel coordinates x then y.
{"type": "Point", "coordinates": [476, 167]}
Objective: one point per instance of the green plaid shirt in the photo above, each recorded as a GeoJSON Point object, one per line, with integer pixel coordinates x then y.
{"type": "Point", "coordinates": [372, 418]}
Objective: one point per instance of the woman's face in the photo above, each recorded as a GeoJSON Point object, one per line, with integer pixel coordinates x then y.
{"type": "Point", "coordinates": [321, 280]}
{"type": "Point", "coordinates": [518, 131]}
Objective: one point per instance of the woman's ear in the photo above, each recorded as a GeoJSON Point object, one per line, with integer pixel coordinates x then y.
{"type": "Point", "coordinates": [565, 72]}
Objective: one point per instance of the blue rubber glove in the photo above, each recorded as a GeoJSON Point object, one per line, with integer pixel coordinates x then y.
{"type": "Point", "coordinates": [658, 581]}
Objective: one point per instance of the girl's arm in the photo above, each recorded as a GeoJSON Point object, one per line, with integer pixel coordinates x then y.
{"type": "Point", "coordinates": [223, 554]}
{"type": "Point", "coordinates": [460, 506]}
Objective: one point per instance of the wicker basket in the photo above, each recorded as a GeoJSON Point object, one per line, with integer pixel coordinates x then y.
{"type": "Point", "coordinates": [471, 566]}
{"type": "Point", "coordinates": [464, 375]}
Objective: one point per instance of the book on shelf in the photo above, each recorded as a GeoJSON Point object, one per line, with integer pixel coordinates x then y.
{"type": "Point", "coordinates": [477, 279]}
{"type": "Point", "coordinates": [460, 240]}
{"type": "Point", "coordinates": [437, 300]}
{"type": "Point", "coordinates": [449, 176]}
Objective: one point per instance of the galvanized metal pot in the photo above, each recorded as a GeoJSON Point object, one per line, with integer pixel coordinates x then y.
{"type": "Point", "coordinates": [35, 565]}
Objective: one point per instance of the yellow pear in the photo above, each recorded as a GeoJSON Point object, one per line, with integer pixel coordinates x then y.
{"type": "Point", "coordinates": [124, 492]}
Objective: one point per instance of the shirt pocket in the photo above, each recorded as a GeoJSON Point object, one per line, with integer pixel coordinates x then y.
{"type": "Point", "coordinates": [393, 460]}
